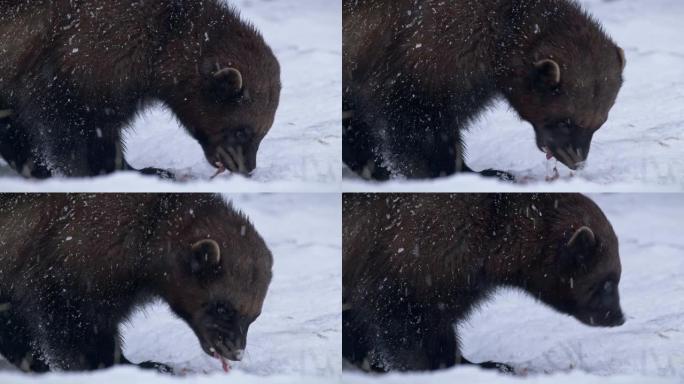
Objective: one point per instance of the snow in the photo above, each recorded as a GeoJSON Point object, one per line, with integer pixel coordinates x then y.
{"type": "Point", "coordinates": [547, 347]}
{"type": "Point", "coordinates": [298, 336]}
{"type": "Point", "coordinates": [641, 146]}
{"type": "Point", "coordinates": [475, 376]}
{"type": "Point", "coordinates": [135, 376]}
{"type": "Point", "coordinates": [303, 150]}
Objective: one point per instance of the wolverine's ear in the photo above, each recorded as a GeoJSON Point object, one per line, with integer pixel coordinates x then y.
{"type": "Point", "coordinates": [229, 80]}
{"type": "Point", "coordinates": [548, 72]}
{"type": "Point", "coordinates": [205, 257]}
{"type": "Point", "coordinates": [583, 238]}
{"type": "Point", "coordinates": [621, 57]}
{"type": "Point", "coordinates": [579, 249]}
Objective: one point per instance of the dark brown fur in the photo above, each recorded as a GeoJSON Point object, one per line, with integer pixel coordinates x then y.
{"type": "Point", "coordinates": [73, 267]}
{"type": "Point", "coordinates": [416, 73]}
{"type": "Point", "coordinates": [415, 265]}
{"type": "Point", "coordinates": [74, 73]}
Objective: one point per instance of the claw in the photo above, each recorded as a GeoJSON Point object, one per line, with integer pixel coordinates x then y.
{"type": "Point", "coordinates": [221, 169]}
{"type": "Point", "coordinates": [5, 113]}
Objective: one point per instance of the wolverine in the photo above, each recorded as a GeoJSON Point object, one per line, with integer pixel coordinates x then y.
{"type": "Point", "coordinates": [417, 73]}
{"type": "Point", "coordinates": [76, 73]}
{"type": "Point", "coordinates": [416, 265]}
{"type": "Point", "coordinates": [74, 267]}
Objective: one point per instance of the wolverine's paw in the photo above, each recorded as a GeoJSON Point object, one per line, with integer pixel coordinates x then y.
{"type": "Point", "coordinates": [159, 367]}
{"type": "Point", "coordinates": [501, 367]}
{"type": "Point", "coordinates": [504, 176]}
{"type": "Point", "coordinates": [31, 169]}
{"type": "Point", "coordinates": [161, 173]}
{"type": "Point", "coordinates": [31, 363]}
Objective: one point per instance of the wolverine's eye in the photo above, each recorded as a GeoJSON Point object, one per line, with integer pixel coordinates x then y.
{"type": "Point", "coordinates": [608, 293]}
{"type": "Point", "coordinates": [242, 96]}
{"type": "Point", "coordinates": [564, 126]}
{"type": "Point", "coordinates": [241, 134]}
{"type": "Point", "coordinates": [560, 128]}
{"type": "Point", "coordinates": [608, 287]}
{"type": "Point", "coordinates": [222, 310]}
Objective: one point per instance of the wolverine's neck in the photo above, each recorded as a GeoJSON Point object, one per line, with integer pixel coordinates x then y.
{"type": "Point", "coordinates": [191, 30]}
{"type": "Point", "coordinates": [517, 239]}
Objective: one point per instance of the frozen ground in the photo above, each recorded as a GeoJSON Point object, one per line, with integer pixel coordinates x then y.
{"type": "Point", "coordinates": [547, 347]}
{"type": "Point", "coordinates": [641, 147]}
{"type": "Point", "coordinates": [303, 150]}
{"type": "Point", "coordinates": [298, 336]}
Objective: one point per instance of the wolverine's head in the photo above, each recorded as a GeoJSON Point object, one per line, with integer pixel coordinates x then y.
{"type": "Point", "coordinates": [227, 95]}
{"type": "Point", "coordinates": [566, 86]}
{"type": "Point", "coordinates": [219, 280]}
{"type": "Point", "coordinates": [578, 269]}
{"type": "Point", "coordinates": [586, 283]}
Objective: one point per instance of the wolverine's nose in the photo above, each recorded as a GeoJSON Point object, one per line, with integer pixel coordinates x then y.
{"type": "Point", "coordinates": [566, 142]}
{"type": "Point", "coordinates": [233, 351]}
{"type": "Point", "coordinates": [238, 354]}
{"type": "Point", "coordinates": [618, 320]}
{"type": "Point", "coordinates": [613, 318]}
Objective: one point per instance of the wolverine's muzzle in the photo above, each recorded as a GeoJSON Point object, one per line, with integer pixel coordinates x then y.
{"type": "Point", "coordinates": [569, 144]}
{"type": "Point", "coordinates": [572, 157]}
{"type": "Point", "coordinates": [237, 159]}
{"type": "Point", "coordinates": [218, 339]}
{"type": "Point", "coordinates": [604, 318]}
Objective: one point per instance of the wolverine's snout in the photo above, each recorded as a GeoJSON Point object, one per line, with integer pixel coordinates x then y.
{"type": "Point", "coordinates": [240, 159]}
{"type": "Point", "coordinates": [603, 318]}
{"type": "Point", "coordinates": [572, 157]}
{"type": "Point", "coordinates": [570, 149]}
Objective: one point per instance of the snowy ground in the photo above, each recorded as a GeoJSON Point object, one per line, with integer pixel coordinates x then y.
{"type": "Point", "coordinates": [298, 336]}
{"type": "Point", "coordinates": [547, 347]}
{"type": "Point", "coordinates": [641, 147]}
{"type": "Point", "coordinates": [303, 150]}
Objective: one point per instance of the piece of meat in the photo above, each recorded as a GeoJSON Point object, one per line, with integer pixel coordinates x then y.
{"type": "Point", "coordinates": [221, 169]}
{"type": "Point", "coordinates": [224, 362]}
